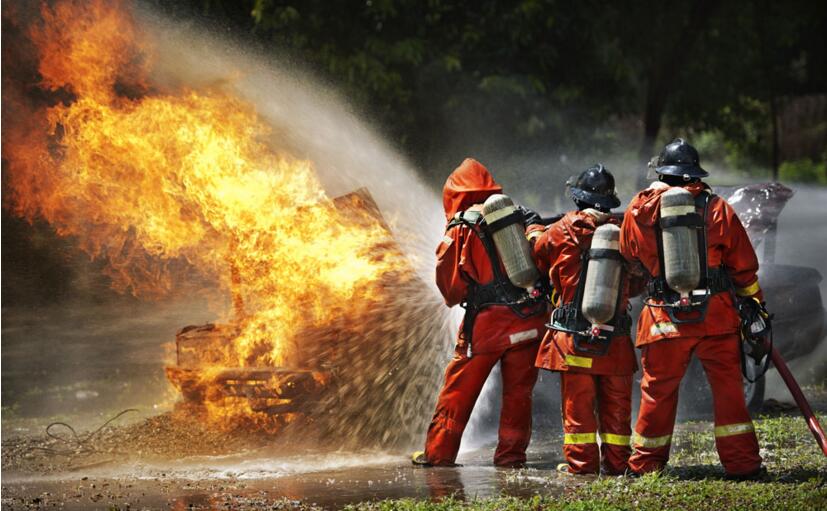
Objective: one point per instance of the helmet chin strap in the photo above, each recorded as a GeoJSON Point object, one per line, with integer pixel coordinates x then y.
{"type": "Point", "coordinates": [677, 180]}
{"type": "Point", "coordinates": [585, 206]}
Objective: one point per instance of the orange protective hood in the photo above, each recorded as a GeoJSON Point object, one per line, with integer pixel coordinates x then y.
{"type": "Point", "coordinates": [468, 184]}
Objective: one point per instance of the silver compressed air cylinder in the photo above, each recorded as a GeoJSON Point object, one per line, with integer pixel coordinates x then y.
{"type": "Point", "coordinates": [602, 286]}
{"type": "Point", "coordinates": [681, 264]}
{"type": "Point", "coordinates": [512, 245]}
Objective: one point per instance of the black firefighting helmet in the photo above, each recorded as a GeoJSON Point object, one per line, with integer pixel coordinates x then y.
{"type": "Point", "coordinates": [594, 187]}
{"type": "Point", "coordinates": [678, 158]}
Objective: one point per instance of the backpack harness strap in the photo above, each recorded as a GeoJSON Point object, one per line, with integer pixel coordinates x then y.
{"type": "Point", "coordinates": [713, 280]}
{"type": "Point", "coordinates": [500, 291]}
{"type": "Point", "coordinates": [569, 316]}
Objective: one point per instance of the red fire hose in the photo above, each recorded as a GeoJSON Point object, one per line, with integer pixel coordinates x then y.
{"type": "Point", "coordinates": [800, 400]}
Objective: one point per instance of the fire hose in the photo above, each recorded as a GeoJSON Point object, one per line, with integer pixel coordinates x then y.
{"type": "Point", "coordinates": [798, 396]}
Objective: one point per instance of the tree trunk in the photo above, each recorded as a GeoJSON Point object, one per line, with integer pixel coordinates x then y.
{"type": "Point", "coordinates": [760, 7]}
{"type": "Point", "coordinates": [775, 148]}
{"type": "Point", "coordinates": [661, 73]}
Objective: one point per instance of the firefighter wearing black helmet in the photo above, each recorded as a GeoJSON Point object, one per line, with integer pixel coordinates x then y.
{"type": "Point", "coordinates": [596, 368]}
{"type": "Point", "coordinates": [695, 252]}
{"type": "Point", "coordinates": [678, 163]}
{"type": "Point", "coordinates": [594, 188]}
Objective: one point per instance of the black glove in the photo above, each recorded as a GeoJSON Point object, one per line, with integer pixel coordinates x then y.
{"type": "Point", "coordinates": [530, 217]}
{"type": "Point", "coordinates": [756, 327]}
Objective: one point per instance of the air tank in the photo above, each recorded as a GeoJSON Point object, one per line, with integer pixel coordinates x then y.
{"type": "Point", "coordinates": [602, 285]}
{"type": "Point", "coordinates": [512, 245]}
{"type": "Point", "coordinates": [681, 265]}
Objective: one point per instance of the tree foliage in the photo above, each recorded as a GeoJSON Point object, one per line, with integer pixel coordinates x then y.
{"type": "Point", "coordinates": [542, 75]}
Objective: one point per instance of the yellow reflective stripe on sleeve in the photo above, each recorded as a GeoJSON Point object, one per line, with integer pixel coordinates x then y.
{"type": "Point", "coordinates": [534, 234]}
{"type": "Point", "coordinates": [749, 290]}
{"type": "Point", "coordinates": [575, 361]}
{"type": "Point", "coordinates": [580, 438]}
{"type": "Point", "coordinates": [611, 438]}
{"type": "Point", "coordinates": [657, 441]}
{"type": "Point", "coordinates": [734, 429]}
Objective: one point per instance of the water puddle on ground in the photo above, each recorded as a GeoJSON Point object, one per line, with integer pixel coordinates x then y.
{"type": "Point", "coordinates": [256, 479]}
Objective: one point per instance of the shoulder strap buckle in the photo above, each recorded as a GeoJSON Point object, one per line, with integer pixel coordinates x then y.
{"type": "Point", "coordinates": [467, 217]}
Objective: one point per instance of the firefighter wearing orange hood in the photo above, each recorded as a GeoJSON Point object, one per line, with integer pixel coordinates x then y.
{"type": "Point", "coordinates": [700, 263]}
{"type": "Point", "coordinates": [502, 323]}
{"type": "Point", "coordinates": [595, 366]}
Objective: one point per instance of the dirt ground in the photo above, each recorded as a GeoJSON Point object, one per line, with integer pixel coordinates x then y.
{"type": "Point", "coordinates": [171, 461]}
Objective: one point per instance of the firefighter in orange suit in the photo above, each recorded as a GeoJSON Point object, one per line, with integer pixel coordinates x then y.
{"type": "Point", "coordinates": [493, 330]}
{"type": "Point", "coordinates": [672, 325]}
{"type": "Point", "coordinates": [592, 377]}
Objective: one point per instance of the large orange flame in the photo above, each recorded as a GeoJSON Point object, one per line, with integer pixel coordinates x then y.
{"type": "Point", "coordinates": [174, 186]}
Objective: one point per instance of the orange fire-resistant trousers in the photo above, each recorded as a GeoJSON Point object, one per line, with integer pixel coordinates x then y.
{"type": "Point", "coordinates": [612, 397]}
{"type": "Point", "coordinates": [664, 364]}
{"type": "Point", "coordinates": [464, 379]}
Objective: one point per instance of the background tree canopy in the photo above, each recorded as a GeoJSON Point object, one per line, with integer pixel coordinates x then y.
{"type": "Point", "coordinates": [578, 80]}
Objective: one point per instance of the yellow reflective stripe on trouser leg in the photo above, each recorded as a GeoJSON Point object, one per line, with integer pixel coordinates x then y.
{"type": "Point", "coordinates": [734, 429]}
{"type": "Point", "coordinates": [612, 439]}
{"type": "Point", "coordinates": [656, 441]}
{"type": "Point", "coordinates": [749, 290]}
{"type": "Point", "coordinates": [580, 438]}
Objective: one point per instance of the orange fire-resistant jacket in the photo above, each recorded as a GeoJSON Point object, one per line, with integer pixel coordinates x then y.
{"type": "Point", "coordinates": [727, 245]}
{"type": "Point", "coordinates": [462, 259]}
{"type": "Point", "coordinates": [558, 251]}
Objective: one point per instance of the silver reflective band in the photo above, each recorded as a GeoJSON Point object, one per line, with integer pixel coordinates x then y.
{"type": "Point", "coordinates": [523, 336]}
{"type": "Point", "coordinates": [657, 441]}
{"type": "Point", "coordinates": [734, 429]}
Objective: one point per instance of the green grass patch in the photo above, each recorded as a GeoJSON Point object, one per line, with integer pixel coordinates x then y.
{"type": "Point", "coordinates": [652, 492]}
{"type": "Point", "coordinates": [694, 480]}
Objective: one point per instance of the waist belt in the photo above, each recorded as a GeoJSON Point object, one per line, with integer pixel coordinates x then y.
{"type": "Point", "coordinates": [483, 295]}
{"type": "Point", "coordinates": [567, 316]}
{"type": "Point", "coordinates": [717, 281]}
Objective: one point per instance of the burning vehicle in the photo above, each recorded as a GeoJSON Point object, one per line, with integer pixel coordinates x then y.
{"type": "Point", "coordinates": [185, 189]}
{"type": "Point", "coordinates": [383, 351]}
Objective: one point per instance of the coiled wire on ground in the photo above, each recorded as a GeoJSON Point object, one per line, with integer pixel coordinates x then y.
{"type": "Point", "coordinates": [78, 445]}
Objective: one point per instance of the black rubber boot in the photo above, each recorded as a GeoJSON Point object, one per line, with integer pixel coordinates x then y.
{"type": "Point", "coordinates": [758, 475]}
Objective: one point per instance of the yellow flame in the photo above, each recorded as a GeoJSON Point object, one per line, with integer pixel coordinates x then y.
{"type": "Point", "coordinates": [171, 187]}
